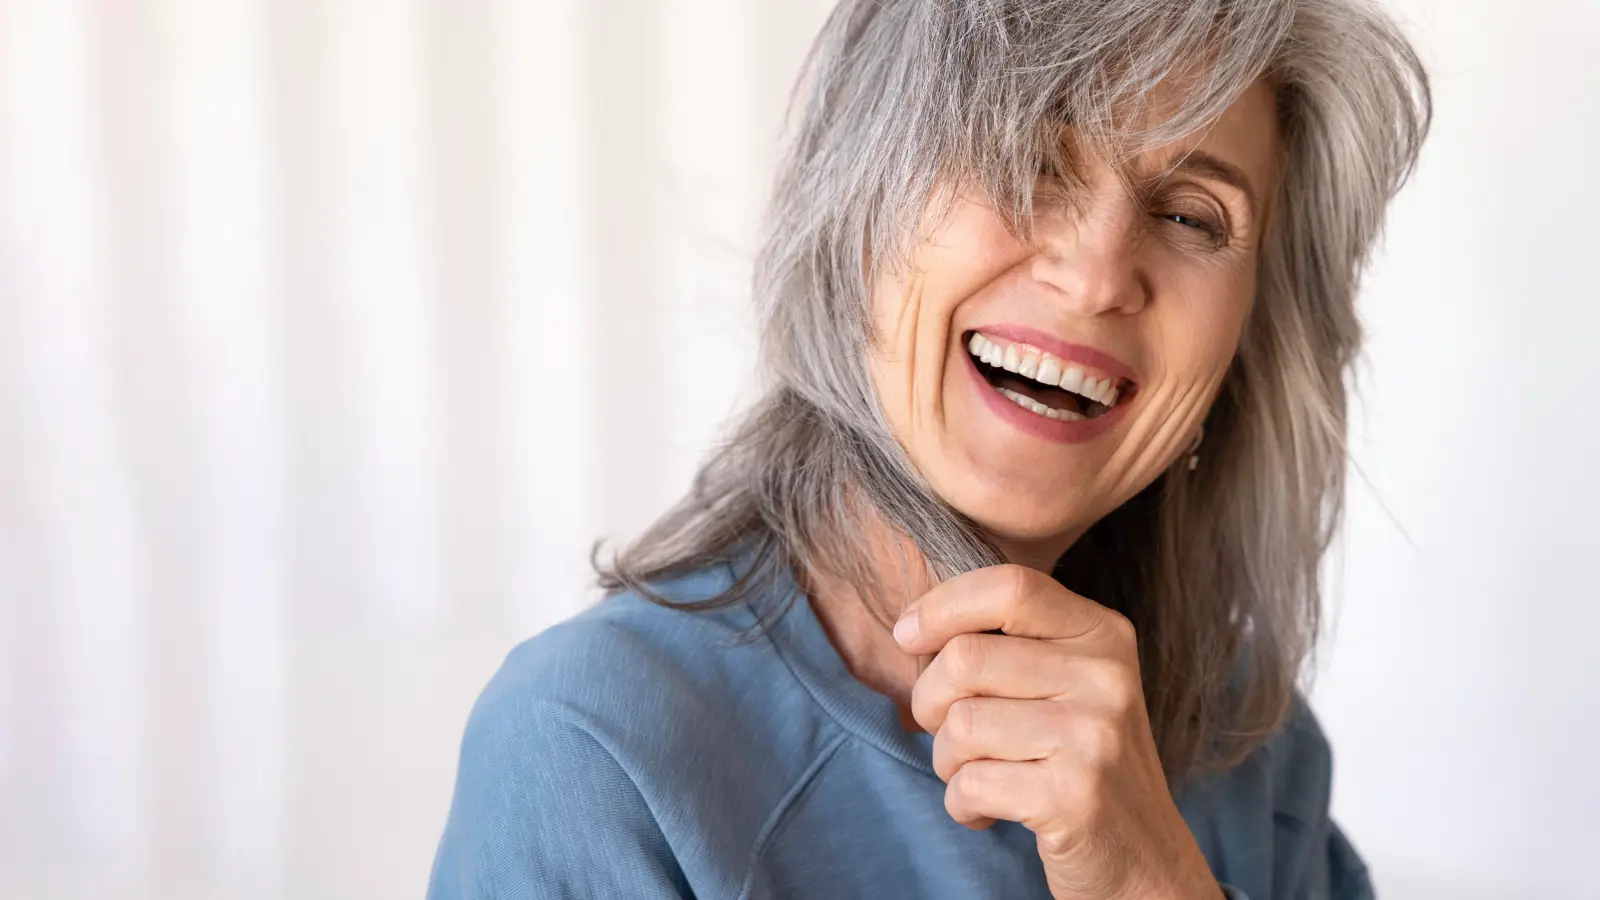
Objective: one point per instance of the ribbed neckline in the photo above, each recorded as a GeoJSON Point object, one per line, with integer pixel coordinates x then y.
{"type": "Point", "coordinates": [803, 644]}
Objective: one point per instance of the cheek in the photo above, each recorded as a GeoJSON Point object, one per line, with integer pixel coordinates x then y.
{"type": "Point", "coordinates": [1206, 346]}
{"type": "Point", "coordinates": [914, 311]}
{"type": "Point", "coordinates": [1197, 340]}
{"type": "Point", "coordinates": [905, 314]}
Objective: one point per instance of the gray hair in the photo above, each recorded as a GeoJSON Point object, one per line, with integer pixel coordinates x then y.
{"type": "Point", "coordinates": [1217, 568]}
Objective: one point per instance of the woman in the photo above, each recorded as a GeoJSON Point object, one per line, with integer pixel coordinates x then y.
{"type": "Point", "coordinates": [1003, 589]}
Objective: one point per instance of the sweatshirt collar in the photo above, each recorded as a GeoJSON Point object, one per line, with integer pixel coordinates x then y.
{"type": "Point", "coordinates": [800, 640]}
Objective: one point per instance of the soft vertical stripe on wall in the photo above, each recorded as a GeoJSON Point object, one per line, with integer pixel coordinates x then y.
{"type": "Point", "coordinates": [711, 181]}
{"type": "Point", "coordinates": [375, 57]}
{"type": "Point", "coordinates": [77, 523]}
{"type": "Point", "coordinates": [549, 329]}
{"type": "Point", "coordinates": [224, 256]}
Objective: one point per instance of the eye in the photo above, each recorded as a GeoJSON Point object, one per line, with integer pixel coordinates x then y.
{"type": "Point", "coordinates": [1191, 222]}
{"type": "Point", "coordinates": [1196, 222]}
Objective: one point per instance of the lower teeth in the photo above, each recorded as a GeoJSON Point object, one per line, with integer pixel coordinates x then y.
{"type": "Point", "coordinates": [1034, 406]}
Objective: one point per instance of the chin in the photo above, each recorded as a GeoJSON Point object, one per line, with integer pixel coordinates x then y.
{"type": "Point", "coordinates": [1043, 529]}
{"type": "Point", "coordinates": [1005, 514]}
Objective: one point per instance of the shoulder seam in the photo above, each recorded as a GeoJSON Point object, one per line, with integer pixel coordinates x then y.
{"type": "Point", "coordinates": [580, 722]}
{"type": "Point", "coordinates": [769, 827]}
{"type": "Point", "coordinates": [521, 712]}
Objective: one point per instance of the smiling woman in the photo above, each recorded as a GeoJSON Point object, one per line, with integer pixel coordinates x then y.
{"type": "Point", "coordinates": [1134, 280]}
{"type": "Point", "coordinates": [1003, 587]}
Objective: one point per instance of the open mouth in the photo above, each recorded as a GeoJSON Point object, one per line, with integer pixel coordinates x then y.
{"type": "Point", "coordinates": [1045, 384]}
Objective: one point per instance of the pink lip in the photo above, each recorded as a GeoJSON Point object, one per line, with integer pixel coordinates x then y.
{"type": "Point", "coordinates": [1049, 343]}
{"type": "Point", "coordinates": [1053, 430]}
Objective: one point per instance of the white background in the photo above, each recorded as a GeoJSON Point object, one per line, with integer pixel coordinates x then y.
{"type": "Point", "coordinates": [333, 331]}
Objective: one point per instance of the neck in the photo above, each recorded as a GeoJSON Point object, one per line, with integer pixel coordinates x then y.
{"type": "Point", "coordinates": [859, 626]}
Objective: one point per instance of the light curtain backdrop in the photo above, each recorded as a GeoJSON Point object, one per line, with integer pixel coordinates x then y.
{"type": "Point", "coordinates": [332, 332]}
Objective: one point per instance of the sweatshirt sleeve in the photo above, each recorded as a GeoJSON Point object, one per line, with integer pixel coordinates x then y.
{"type": "Point", "coordinates": [1336, 873]}
{"type": "Point", "coordinates": [542, 811]}
{"type": "Point", "coordinates": [1328, 865]}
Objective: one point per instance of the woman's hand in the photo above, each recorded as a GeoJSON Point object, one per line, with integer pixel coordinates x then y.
{"type": "Point", "coordinates": [1046, 725]}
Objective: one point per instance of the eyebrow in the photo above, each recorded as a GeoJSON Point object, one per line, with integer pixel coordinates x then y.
{"type": "Point", "coordinates": [1203, 165]}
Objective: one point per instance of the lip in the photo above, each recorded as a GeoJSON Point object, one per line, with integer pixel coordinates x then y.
{"type": "Point", "coordinates": [1055, 346]}
{"type": "Point", "coordinates": [1054, 430]}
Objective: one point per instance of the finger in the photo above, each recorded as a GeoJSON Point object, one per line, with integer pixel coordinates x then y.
{"type": "Point", "coordinates": [988, 665]}
{"type": "Point", "coordinates": [997, 728]}
{"type": "Point", "coordinates": [985, 790]}
{"type": "Point", "coordinates": [992, 728]}
{"type": "Point", "coordinates": [1014, 599]}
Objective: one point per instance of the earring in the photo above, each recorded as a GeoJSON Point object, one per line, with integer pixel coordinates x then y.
{"type": "Point", "coordinates": [1194, 449]}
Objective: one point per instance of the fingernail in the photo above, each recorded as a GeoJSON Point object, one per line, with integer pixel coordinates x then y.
{"type": "Point", "coordinates": [905, 630]}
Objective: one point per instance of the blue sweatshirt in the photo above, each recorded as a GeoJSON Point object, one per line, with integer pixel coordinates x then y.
{"type": "Point", "coordinates": [636, 752]}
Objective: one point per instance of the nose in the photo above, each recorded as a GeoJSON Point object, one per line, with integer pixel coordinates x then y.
{"type": "Point", "coordinates": [1092, 261]}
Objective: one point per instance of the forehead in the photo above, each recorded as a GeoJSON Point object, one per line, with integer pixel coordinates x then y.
{"type": "Point", "coordinates": [1247, 132]}
{"type": "Point", "coordinates": [1245, 135]}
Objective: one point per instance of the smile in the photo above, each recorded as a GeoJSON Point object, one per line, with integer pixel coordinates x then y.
{"type": "Point", "coordinates": [1044, 384]}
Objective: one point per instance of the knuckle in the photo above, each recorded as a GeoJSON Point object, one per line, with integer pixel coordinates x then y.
{"type": "Point", "coordinates": [1120, 629]}
{"type": "Point", "coordinates": [946, 761]}
{"type": "Point", "coordinates": [1122, 695]}
{"type": "Point", "coordinates": [971, 782]}
{"type": "Point", "coordinates": [1017, 583]}
{"type": "Point", "coordinates": [957, 727]}
{"type": "Point", "coordinates": [957, 794]}
{"type": "Point", "coordinates": [967, 658]}
{"type": "Point", "coordinates": [957, 799]}
{"type": "Point", "coordinates": [925, 698]}
{"type": "Point", "coordinates": [962, 720]}
{"type": "Point", "coordinates": [1100, 741]}
{"type": "Point", "coordinates": [1059, 721]}
{"type": "Point", "coordinates": [1119, 688]}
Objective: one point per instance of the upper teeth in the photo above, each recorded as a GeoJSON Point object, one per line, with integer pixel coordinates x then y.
{"type": "Point", "coordinates": [1033, 363]}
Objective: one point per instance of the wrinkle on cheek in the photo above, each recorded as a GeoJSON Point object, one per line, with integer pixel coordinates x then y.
{"type": "Point", "coordinates": [905, 340]}
{"type": "Point", "coordinates": [1180, 400]}
{"type": "Point", "coordinates": [1160, 435]}
{"type": "Point", "coordinates": [1177, 404]}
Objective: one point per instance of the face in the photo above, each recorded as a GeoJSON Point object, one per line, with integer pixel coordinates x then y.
{"type": "Point", "coordinates": [1038, 384]}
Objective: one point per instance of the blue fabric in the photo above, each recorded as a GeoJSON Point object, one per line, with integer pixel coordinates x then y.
{"type": "Point", "coordinates": [640, 752]}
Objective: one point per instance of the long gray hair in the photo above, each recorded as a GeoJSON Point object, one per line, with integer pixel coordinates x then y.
{"type": "Point", "coordinates": [1217, 568]}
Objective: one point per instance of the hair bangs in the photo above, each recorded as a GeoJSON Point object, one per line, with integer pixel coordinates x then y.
{"type": "Point", "coordinates": [1000, 92]}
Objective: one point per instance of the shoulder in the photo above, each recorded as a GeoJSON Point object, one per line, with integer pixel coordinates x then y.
{"type": "Point", "coordinates": [1287, 778]}
{"type": "Point", "coordinates": [636, 675]}
{"type": "Point", "coordinates": [1298, 762]}
{"type": "Point", "coordinates": [1265, 824]}
{"type": "Point", "coordinates": [687, 721]}
{"type": "Point", "coordinates": [613, 657]}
